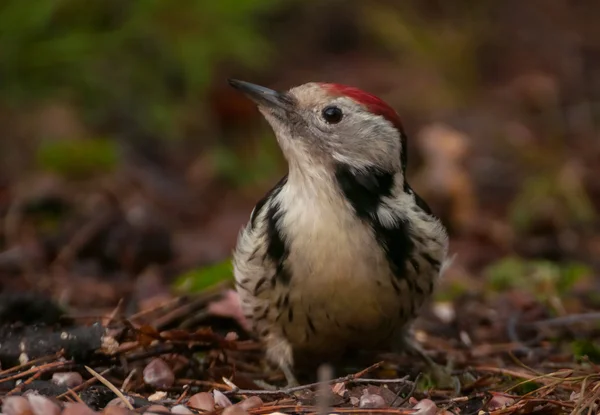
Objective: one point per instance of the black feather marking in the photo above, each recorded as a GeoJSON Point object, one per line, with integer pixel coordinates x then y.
{"type": "Point", "coordinates": [418, 200]}
{"type": "Point", "coordinates": [430, 286]}
{"type": "Point", "coordinates": [277, 249]}
{"type": "Point", "coordinates": [291, 314]}
{"type": "Point", "coordinates": [418, 289]}
{"type": "Point", "coordinates": [418, 239]}
{"type": "Point", "coordinates": [279, 315]}
{"type": "Point", "coordinates": [311, 326]}
{"type": "Point", "coordinates": [262, 315]}
{"type": "Point", "coordinates": [261, 203]}
{"type": "Point", "coordinates": [411, 285]}
{"type": "Point", "coordinates": [364, 190]}
{"type": "Point", "coordinates": [238, 284]}
{"type": "Point", "coordinates": [253, 254]}
{"type": "Point", "coordinates": [403, 151]}
{"type": "Point", "coordinates": [259, 284]}
{"type": "Point", "coordinates": [397, 244]}
{"type": "Point", "coordinates": [432, 261]}
{"type": "Point", "coordinates": [395, 285]}
{"type": "Point", "coordinates": [415, 264]}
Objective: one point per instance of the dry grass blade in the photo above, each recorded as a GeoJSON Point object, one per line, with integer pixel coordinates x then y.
{"type": "Point", "coordinates": [109, 386]}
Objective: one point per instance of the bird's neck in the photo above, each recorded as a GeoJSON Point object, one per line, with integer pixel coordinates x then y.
{"type": "Point", "coordinates": [361, 188]}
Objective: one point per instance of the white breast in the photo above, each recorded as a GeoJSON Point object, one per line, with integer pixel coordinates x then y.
{"type": "Point", "coordinates": [340, 276]}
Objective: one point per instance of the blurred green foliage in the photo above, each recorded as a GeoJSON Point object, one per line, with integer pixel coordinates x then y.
{"type": "Point", "coordinates": [200, 279]}
{"type": "Point", "coordinates": [546, 279]}
{"type": "Point", "coordinates": [78, 158]}
{"type": "Point", "coordinates": [449, 51]}
{"type": "Point", "coordinates": [583, 348]}
{"type": "Point", "coordinates": [545, 189]}
{"type": "Point", "coordinates": [151, 58]}
{"type": "Point", "coordinates": [260, 165]}
{"type": "Point", "coordinates": [524, 388]}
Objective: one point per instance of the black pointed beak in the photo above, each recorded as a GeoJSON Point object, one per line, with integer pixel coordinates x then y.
{"type": "Point", "coordinates": [263, 96]}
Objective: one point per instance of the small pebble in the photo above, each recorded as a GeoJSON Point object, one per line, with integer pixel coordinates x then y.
{"type": "Point", "coordinates": [371, 400]}
{"type": "Point", "coordinates": [221, 400]}
{"type": "Point", "coordinates": [42, 405]}
{"type": "Point", "coordinates": [16, 405]}
{"type": "Point", "coordinates": [234, 410]}
{"type": "Point", "coordinates": [425, 407]}
{"type": "Point", "coordinates": [250, 403]}
{"type": "Point", "coordinates": [158, 374]}
{"type": "Point", "coordinates": [157, 396]}
{"type": "Point", "coordinates": [77, 409]}
{"type": "Point", "coordinates": [156, 410]}
{"type": "Point", "coordinates": [116, 410]}
{"type": "Point", "coordinates": [499, 402]}
{"type": "Point", "coordinates": [68, 379]}
{"type": "Point", "coordinates": [118, 402]}
{"type": "Point", "coordinates": [181, 410]}
{"type": "Point", "coordinates": [203, 401]}
{"type": "Point", "coordinates": [231, 336]}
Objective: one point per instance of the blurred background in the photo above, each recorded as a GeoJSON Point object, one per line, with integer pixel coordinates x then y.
{"type": "Point", "coordinates": [128, 165]}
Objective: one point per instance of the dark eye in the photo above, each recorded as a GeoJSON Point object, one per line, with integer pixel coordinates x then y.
{"type": "Point", "coordinates": [332, 114]}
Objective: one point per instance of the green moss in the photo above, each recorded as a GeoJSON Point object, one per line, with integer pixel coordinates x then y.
{"type": "Point", "coordinates": [200, 279]}
{"type": "Point", "coordinates": [78, 158]}
{"type": "Point", "coordinates": [586, 348]}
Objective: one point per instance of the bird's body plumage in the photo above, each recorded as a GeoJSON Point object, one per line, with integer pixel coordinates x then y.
{"type": "Point", "coordinates": [339, 255]}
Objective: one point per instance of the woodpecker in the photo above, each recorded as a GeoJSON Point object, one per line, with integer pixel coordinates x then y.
{"type": "Point", "coordinates": [341, 254]}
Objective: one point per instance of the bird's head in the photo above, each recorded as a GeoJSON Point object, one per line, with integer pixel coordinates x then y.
{"type": "Point", "coordinates": [324, 124]}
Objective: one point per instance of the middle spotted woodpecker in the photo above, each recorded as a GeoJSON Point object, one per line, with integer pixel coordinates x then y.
{"type": "Point", "coordinates": [341, 254]}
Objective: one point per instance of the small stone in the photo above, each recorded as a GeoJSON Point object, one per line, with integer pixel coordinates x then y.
{"type": "Point", "coordinates": [250, 403]}
{"type": "Point", "coordinates": [158, 374]}
{"type": "Point", "coordinates": [116, 410]}
{"type": "Point", "coordinates": [118, 402]}
{"type": "Point", "coordinates": [42, 405]}
{"type": "Point", "coordinates": [221, 400]}
{"type": "Point", "coordinates": [371, 400]}
{"type": "Point", "coordinates": [203, 401]}
{"type": "Point", "coordinates": [234, 410]}
{"type": "Point", "coordinates": [68, 379]}
{"type": "Point", "coordinates": [157, 396]}
{"type": "Point", "coordinates": [499, 402]}
{"type": "Point", "coordinates": [77, 409]}
{"type": "Point", "coordinates": [231, 336]}
{"type": "Point", "coordinates": [181, 410]}
{"type": "Point", "coordinates": [425, 407]}
{"type": "Point", "coordinates": [156, 410]}
{"type": "Point", "coordinates": [16, 405]}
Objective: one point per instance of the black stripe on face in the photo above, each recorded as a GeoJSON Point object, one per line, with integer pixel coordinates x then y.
{"type": "Point", "coordinates": [365, 190]}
